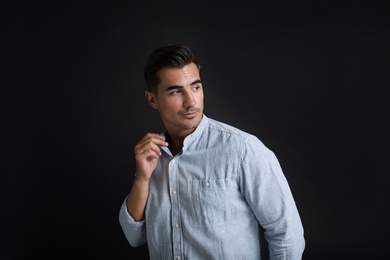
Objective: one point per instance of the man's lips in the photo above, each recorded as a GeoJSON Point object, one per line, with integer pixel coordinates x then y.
{"type": "Point", "coordinates": [190, 114]}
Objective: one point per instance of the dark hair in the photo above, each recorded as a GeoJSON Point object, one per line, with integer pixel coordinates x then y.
{"type": "Point", "coordinates": [174, 55]}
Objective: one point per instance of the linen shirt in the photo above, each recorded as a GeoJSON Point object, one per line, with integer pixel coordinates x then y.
{"type": "Point", "coordinates": [211, 200]}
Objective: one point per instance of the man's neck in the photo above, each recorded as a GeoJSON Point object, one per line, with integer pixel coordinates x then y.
{"type": "Point", "coordinates": [175, 142]}
{"type": "Point", "coordinates": [175, 148]}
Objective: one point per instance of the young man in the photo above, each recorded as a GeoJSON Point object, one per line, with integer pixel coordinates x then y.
{"type": "Point", "coordinates": [204, 189]}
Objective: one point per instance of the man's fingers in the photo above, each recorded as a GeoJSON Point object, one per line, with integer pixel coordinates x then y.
{"type": "Point", "coordinates": [151, 139]}
{"type": "Point", "coordinates": [147, 149]}
{"type": "Point", "coordinates": [148, 154]}
{"type": "Point", "coordinates": [149, 146]}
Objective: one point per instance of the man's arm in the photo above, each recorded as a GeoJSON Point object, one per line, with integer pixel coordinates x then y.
{"type": "Point", "coordinates": [267, 192]}
{"type": "Point", "coordinates": [147, 152]}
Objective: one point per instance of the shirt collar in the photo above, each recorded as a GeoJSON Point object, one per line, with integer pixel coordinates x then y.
{"type": "Point", "coordinates": [198, 131]}
{"type": "Point", "coordinates": [191, 137]}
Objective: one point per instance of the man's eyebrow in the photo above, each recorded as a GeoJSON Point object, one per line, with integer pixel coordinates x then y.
{"type": "Point", "coordinates": [178, 87]}
{"type": "Point", "coordinates": [196, 82]}
{"type": "Point", "coordinates": [173, 87]}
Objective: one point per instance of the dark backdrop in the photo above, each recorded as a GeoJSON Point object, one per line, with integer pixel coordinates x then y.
{"type": "Point", "coordinates": [309, 79]}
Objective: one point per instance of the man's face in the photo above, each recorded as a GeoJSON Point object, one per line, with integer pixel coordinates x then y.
{"type": "Point", "coordinates": [179, 99]}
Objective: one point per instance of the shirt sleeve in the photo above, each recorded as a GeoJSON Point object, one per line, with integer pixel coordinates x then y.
{"type": "Point", "coordinates": [267, 192]}
{"type": "Point", "coordinates": [134, 231]}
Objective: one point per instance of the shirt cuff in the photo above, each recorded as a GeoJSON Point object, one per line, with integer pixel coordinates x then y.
{"type": "Point", "coordinates": [125, 218]}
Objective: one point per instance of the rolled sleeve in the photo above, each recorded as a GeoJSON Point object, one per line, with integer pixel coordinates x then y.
{"type": "Point", "coordinates": [134, 231]}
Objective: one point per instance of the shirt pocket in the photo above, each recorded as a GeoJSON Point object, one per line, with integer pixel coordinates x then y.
{"type": "Point", "coordinates": [209, 202]}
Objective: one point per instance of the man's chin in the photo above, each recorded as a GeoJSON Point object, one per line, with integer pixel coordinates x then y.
{"type": "Point", "coordinates": [192, 122]}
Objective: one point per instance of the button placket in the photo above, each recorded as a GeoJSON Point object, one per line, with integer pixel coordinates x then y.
{"type": "Point", "coordinates": [175, 220]}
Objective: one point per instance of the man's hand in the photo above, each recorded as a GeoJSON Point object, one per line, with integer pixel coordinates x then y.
{"type": "Point", "coordinates": [147, 151]}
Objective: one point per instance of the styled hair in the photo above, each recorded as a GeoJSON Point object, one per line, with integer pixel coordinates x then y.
{"type": "Point", "coordinates": [174, 56]}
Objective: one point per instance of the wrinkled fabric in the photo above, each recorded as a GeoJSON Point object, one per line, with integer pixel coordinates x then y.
{"type": "Point", "coordinates": [211, 200]}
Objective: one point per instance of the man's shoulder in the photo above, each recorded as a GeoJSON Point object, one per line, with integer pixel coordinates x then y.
{"type": "Point", "coordinates": [225, 128]}
{"type": "Point", "coordinates": [219, 128]}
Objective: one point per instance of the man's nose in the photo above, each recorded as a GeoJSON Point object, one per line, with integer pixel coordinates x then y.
{"type": "Point", "coordinates": [189, 100]}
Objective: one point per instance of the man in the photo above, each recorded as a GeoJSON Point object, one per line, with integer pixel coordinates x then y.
{"type": "Point", "coordinates": [204, 189]}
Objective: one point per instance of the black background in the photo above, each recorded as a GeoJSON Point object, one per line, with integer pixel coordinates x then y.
{"type": "Point", "coordinates": [309, 79]}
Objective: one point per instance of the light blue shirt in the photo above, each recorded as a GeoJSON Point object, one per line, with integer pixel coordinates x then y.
{"type": "Point", "coordinates": [208, 201]}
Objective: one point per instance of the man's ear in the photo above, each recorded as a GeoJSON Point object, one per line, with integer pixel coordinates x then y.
{"type": "Point", "coordinates": [151, 97]}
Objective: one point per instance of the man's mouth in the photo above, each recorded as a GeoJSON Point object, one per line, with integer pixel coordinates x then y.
{"type": "Point", "coordinates": [190, 114]}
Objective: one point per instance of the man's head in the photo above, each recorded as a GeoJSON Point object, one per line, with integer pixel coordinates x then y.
{"type": "Point", "coordinates": [175, 88]}
{"type": "Point", "coordinates": [174, 56]}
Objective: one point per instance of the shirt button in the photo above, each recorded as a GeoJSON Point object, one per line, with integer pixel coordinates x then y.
{"type": "Point", "coordinates": [174, 192]}
{"type": "Point", "coordinates": [173, 161]}
{"type": "Point", "coordinates": [178, 257]}
{"type": "Point", "coordinates": [207, 183]}
{"type": "Point", "coordinates": [177, 225]}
